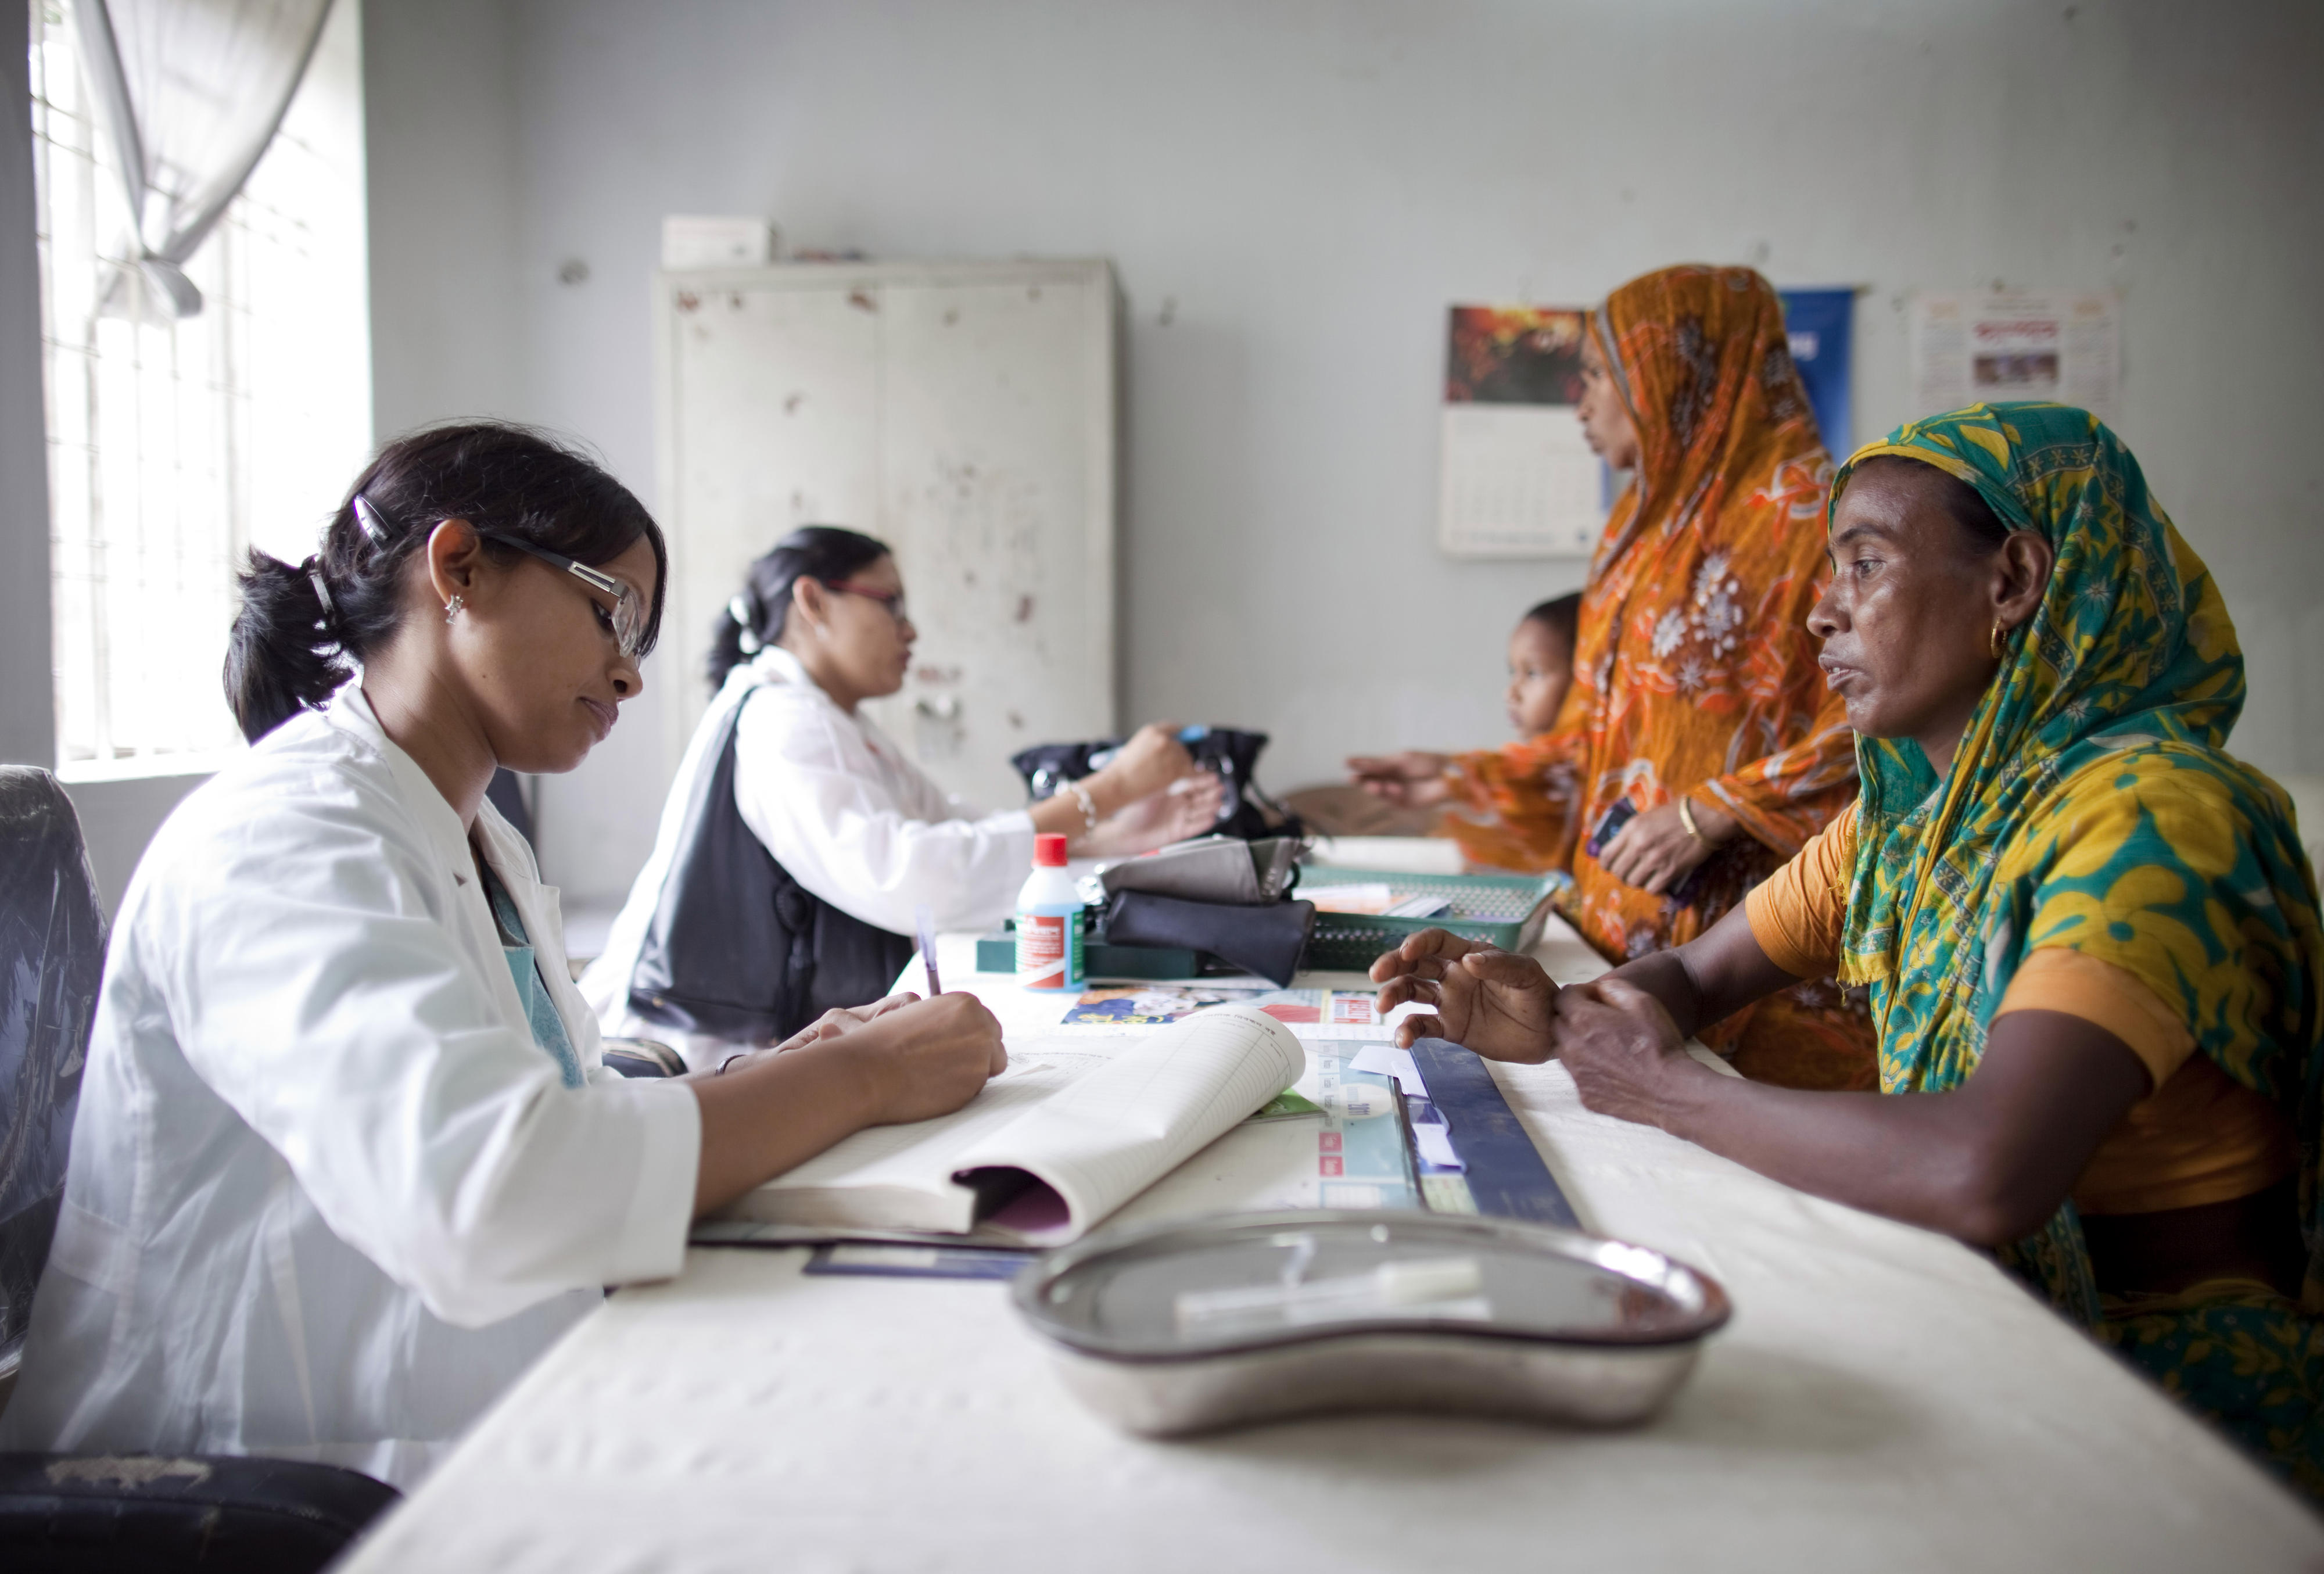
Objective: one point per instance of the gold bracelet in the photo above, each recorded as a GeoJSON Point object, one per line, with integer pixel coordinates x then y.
{"type": "Point", "coordinates": [1686, 818]}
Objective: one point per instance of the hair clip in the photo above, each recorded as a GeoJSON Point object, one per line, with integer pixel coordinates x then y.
{"type": "Point", "coordinates": [368, 518]}
{"type": "Point", "coordinates": [747, 640]}
{"type": "Point", "coordinates": [322, 591]}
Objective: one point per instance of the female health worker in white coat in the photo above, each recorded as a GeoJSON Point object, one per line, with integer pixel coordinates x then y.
{"type": "Point", "coordinates": [818, 628]}
{"type": "Point", "coordinates": [346, 1158]}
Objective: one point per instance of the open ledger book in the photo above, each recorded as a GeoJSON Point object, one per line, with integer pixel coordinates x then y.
{"type": "Point", "coordinates": [1070, 1132]}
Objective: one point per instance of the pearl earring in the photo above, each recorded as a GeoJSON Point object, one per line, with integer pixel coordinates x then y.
{"type": "Point", "coordinates": [452, 608]}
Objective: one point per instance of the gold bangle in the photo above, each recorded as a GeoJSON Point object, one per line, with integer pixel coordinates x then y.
{"type": "Point", "coordinates": [1686, 818]}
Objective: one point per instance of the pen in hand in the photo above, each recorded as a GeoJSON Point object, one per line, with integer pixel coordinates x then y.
{"type": "Point", "coordinates": [927, 921]}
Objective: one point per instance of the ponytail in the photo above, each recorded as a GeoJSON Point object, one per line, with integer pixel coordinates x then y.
{"type": "Point", "coordinates": [754, 619]}
{"type": "Point", "coordinates": [301, 630]}
{"type": "Point", "coordinates": [282, 656]}
{"type": "Point", "coordinates": [733, 639]}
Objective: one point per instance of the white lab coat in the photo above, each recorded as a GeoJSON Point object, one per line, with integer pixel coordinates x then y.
{"type": "Point", "coordinates": [842, 808]}
{"type": "Point", "coordinates": [327, 1197]}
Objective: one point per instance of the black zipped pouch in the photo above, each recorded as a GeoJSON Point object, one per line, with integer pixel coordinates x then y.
{"type": "Point", "coordinates": [1268, 940]}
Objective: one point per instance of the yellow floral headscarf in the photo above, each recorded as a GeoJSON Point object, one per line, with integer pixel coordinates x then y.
{"type": "Point", "coordinates": [2089, 805]}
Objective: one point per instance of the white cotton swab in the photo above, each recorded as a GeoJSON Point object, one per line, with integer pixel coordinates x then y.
{"type": "Point", "coordinates": [1448, 1287]}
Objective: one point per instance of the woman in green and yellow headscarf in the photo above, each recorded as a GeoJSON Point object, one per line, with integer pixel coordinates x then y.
{"type": "Point", "coordinates": [2090, 935]}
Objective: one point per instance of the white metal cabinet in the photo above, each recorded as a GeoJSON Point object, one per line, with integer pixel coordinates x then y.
{"type": "Point", "coordinates": [965, 413]}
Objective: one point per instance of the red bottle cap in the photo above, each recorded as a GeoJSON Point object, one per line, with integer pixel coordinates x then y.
{"type": "Point", "coordinates": [1048, 850]}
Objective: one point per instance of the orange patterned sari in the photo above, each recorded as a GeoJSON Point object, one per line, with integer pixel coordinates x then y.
{"type": "Point", "coordinates": [1694, 669]}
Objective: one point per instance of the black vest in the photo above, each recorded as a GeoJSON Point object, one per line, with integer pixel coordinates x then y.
{"type": "Point", "coordinates": [737, 948]}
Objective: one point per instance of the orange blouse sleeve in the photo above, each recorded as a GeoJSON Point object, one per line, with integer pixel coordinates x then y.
{"type": "Point", "coordinates": [1526, 792]}
{"type": "Point", "coordinates": [1796, 913]}
{"type": "Point", "coordinates": [2057, 979]}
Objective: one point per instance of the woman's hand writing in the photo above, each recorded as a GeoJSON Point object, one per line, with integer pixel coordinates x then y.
{"type": "Point", "coordinates": [1654, 850]}
{"type": "Point", "coordinates": [902, 1060]}
{"type": "Point", "coordinates": [1493, 1001]}
{"type": "Point", "coordinates": [1413, 779]}
{"type": "Point", "coordinates": [832, 1024]}
{"type": "Point", "coordinates": [926, 1058]}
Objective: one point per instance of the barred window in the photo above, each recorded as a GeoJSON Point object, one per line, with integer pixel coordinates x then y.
{"type": "Point", "coordinates": [174, 444]}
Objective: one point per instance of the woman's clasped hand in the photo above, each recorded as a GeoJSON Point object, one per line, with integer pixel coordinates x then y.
{"type": "Point", "coordinates": [1623, 1049]}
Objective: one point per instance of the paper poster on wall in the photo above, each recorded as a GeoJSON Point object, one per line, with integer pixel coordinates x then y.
{"type": "Point", "coordinates": [1515, 478]}
{"type": "Point", "coordinates": [1822, 323]}
{"type": "Point", "coordinates": [1974, 345]}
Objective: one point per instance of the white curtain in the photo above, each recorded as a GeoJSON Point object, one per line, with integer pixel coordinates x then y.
{"type": "Point", "coordinates": [189, 93]}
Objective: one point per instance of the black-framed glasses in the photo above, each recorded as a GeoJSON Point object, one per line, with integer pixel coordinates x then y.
{"type": "Point", "coordinates": [629, 607]}
{"type": "Point", "coordinates": [893, 600]}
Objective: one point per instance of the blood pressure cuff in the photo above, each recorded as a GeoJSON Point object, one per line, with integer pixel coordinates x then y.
{"type": "Point", "coordinates": [1231, 755]}
{"type": "Point", "coordinates": [1212, 868]}
{"type": "Point", "coordinates": [1266, 941]}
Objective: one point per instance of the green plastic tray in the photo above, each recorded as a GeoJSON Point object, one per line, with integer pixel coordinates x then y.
{"type": "Point", "coordinates": [1508, 910]}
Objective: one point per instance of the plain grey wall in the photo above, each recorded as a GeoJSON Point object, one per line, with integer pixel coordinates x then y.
{"type": "Point", "coordinates": [1293, 193]}
{"type": "Point", "coordinates": [439, 99]}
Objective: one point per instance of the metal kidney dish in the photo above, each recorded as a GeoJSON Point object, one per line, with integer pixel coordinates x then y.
{"type": "Point", "coordinates": [1240, 1318]}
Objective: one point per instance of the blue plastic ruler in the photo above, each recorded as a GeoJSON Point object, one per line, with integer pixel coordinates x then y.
{"type": "Point", "coordinates": [1502, 1170]}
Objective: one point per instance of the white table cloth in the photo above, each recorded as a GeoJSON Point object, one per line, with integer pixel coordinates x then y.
{"type": "Point", "coordinates": [1885, 1399]}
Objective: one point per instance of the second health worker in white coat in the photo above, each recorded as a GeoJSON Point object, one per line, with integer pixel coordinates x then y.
{"type": "Point", "coordinates": [864, 835]}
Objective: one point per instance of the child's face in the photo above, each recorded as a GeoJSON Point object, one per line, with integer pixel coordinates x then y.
{"type": "Point", "coordinates": [1541, 669]}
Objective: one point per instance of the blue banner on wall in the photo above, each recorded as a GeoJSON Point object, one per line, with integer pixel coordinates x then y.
{"type": "Point", "coordinates": [1820, 324]}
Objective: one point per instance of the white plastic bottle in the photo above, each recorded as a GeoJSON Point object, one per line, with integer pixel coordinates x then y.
{"type": "Point", "coordinates": [1049, 922]}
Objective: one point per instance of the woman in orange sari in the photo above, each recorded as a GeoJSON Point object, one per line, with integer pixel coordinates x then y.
{"type": "Point", "coordinates": [1696, 697]}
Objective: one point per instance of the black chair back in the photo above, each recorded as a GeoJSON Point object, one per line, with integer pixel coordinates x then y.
{"type": "Point", "coordinates": [51, 953]}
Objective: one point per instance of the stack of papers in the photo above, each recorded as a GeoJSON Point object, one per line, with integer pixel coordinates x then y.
{"type": "Point", "coordinates": [1374, 898]}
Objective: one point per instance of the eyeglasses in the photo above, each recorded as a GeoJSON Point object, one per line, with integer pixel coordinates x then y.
{"type": "Point", "coordinates": [627, 623]}
{"type": "Point", "coordinates": [893, 600]}
{"type": "Point", "coordinates": [629, 616]}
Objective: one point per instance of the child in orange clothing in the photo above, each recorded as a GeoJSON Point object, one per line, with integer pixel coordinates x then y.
{"type": "Point", "coordinates": [1541, 669]}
